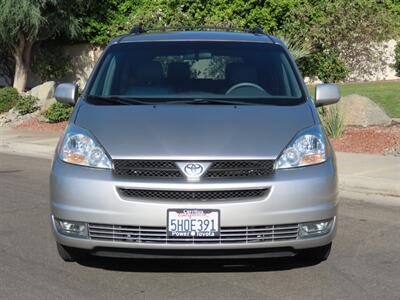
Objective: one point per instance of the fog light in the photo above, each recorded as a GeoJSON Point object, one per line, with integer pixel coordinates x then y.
{"type": "Point", "coordinates": [71, 228]}
{"type": "Point", "coordinates": [314, 229]}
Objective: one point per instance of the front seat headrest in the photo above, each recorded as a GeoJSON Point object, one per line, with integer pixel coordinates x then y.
{"type": "Point", "coordinates": [240, 72]}
{"type": "Point", "coordinates": [178, 71]}
{"type": "Point", "coordinates": [149, 72]}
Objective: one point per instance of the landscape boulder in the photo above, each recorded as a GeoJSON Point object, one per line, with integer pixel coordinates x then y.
{"type": "Point", "coordinates": [45, 94]}
{"type": "Point", "coordinates": [312, 80]}
{"type": "Point", "coordinates": [362, 111]}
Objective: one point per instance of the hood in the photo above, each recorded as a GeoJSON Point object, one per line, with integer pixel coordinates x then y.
{"type": "Point", "coordinates": [194, 132]}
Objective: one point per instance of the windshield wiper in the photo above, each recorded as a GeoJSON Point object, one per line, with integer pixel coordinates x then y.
{"type": "Point", "coordinates": [209, 101]}
{"type": "Point", "coordinates": [117, 100]}
{"type": "Point", "coordinates": [131, 100]}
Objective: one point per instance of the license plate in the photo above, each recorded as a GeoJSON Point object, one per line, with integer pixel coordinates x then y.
{"type": "Point", "coordinates": [193, 223]}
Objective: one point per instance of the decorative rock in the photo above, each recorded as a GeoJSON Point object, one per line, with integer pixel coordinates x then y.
{"type": "Point", "coordinates": [45, 94]}
{"type": "Point", "coordinates": [312, 80]}
{"type": "Point", "coordinates": [362, 111]}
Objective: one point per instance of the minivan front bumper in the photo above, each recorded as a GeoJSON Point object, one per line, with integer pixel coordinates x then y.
{"type": "Point", "coordinates": [295, 196]}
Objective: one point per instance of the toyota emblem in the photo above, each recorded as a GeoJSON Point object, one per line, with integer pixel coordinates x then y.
{"type": "Point", "coordinates": [193, 170]}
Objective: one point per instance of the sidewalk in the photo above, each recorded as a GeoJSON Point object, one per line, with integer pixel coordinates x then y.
{"type": "Point", "coordinates": [28, 143]}
{"type": "Point", "coordinates": [371, 177]}
{"type": "Point", "coordinates": [361, 176]}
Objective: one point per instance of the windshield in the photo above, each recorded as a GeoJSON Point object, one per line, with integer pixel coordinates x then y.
{"type": "Point", "coordinates": [165, 71]}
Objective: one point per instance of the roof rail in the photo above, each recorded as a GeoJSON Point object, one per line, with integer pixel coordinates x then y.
{"type": "Point", "coordinates": [257, 30]}
{"type": "Point", "coordinates": [139, 29]}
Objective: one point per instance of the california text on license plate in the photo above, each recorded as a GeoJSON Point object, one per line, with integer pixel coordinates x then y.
{"type": "Point", "coordinates": [193, 223]}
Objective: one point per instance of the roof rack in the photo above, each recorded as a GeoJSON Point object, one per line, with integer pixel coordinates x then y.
{"type": "Point", "coordinates": [139, 29]}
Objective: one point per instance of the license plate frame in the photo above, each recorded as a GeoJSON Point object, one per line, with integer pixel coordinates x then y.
{"type": "Point", "coordinates": [194, 217]}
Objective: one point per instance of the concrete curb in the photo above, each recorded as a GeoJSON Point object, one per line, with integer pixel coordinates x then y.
{"type": "Point", "coordinates": [28, 143]}
{"type": "Point", "coordinates": [31, 150]}
{"type": "Point", "coordinates": [373, 175]}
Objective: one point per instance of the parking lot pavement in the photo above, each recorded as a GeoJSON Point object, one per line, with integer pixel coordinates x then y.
{"type": "Point", "coordinates": [364, 263]}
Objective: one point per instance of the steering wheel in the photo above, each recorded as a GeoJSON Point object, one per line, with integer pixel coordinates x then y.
{"type": "Point", "coordinates": [244, 84]}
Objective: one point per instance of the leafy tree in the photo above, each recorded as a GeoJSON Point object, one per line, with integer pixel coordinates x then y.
{"type": "Point", "coordinates": [344, 31]}
{"type": "Point", "coordinates": [6, 65]}
{"type": "Point", "coordinates": [109, 18]}
{"type": "Point", "coordinates": [396, 64]}
{"type": "Point", "coordinates": [50, 62]}
{"type": "Point", "coordinates": [24, 23]}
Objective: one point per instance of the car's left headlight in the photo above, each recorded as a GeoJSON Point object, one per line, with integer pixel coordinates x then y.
{"type": "Point", "coordinates": [80, 147]}
{"type": "Point", "coordinates": [309, 147]}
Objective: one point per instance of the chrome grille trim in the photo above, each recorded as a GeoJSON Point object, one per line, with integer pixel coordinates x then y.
{"type": "Point", "coordinates": [158, 235]}
{"type": "Point", "coordinates": [191, 195]}
{"type": "Point", "coordinates": [218, 169]}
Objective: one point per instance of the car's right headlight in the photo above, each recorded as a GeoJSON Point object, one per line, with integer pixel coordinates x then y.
{"type": "Point", "coordinates": [79, 147]}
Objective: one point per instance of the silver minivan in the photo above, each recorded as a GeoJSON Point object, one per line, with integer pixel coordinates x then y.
{"type": "Point", "coordinates": [194, 144]}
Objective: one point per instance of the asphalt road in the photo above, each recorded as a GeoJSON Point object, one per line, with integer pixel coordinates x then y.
{"type": "Point", "coordinates": [364, 263]}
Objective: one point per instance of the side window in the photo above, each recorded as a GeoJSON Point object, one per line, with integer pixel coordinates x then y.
{"type": "Point", "coordinates": [109, 78]}
{"type": "Point", "coordinates": [289, 78]}
{"type": "Point", "coordinates": [103, 81]}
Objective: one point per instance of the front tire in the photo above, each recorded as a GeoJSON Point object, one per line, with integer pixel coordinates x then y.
{"type": "Point", "coordinates": [316, 254]}
{"type": "Point", "coordinates": [69, 254]}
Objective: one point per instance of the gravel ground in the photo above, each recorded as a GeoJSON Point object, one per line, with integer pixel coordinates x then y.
{"type": "Point", "coordinates": [36, 125]}
{"type": "Point", "coordinates": [373, 140]}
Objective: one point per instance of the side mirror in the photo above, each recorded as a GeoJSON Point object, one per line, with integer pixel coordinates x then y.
{"type": "Point", "coordinates": [326, 94]}
{"type": "Point", "coordinates": [66, 93]}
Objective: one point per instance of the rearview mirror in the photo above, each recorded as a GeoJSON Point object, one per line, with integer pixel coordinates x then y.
{"type": "Point", "coordinates": [326, 94]}
{"type": "Point", "coordinates": [67, 93]}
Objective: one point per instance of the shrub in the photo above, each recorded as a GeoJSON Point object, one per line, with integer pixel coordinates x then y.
{"type": "Point", "coordinates": [26, 105]}
{"type": "Point", "coordinates": [8, 97]}
{"type": "Point", "coordinates": [50, 63]}
{"type": "Point", "coordinates": [299, 48]}
{"type": "Point", "coordinates": [58, 112]}
{"type": "Point", "coordinates": [328, 67]}
{"type": "Point", "coordinates": [332, 119]}
{"type": "Point", "coordinates": [396, 64]}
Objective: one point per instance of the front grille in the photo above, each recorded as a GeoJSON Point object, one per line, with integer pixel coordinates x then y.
{"type": "Point", "coordinates": [146, 168]}
{"type": "Point", "coordinates": [218, 169]}
{"type": "Point", "coordinates": [192, 195]}
{"type": "Point", "coordinates": [245, 168]}
{"type": "Point", "coordinates": [158, 235]}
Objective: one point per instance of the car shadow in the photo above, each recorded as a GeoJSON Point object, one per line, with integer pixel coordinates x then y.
{"type": "Point", "coordinates": [196, 266]}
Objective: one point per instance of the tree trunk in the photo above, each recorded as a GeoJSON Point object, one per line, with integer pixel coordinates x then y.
{"type": "Point", "coordinates": [22, 57]}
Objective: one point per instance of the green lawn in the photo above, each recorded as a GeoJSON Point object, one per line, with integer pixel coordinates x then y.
{"type": "Point", "coordinates": [385, 94]}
